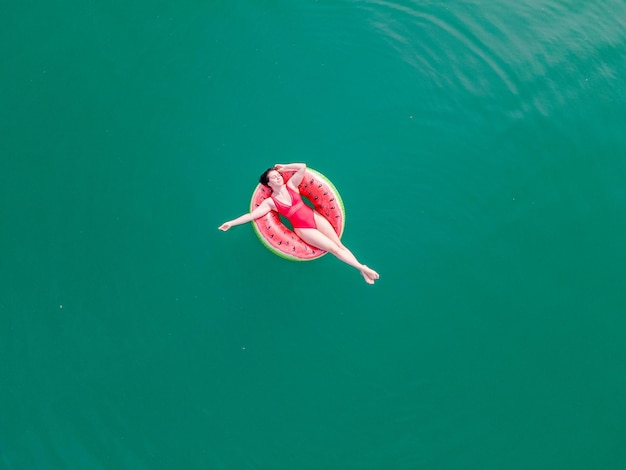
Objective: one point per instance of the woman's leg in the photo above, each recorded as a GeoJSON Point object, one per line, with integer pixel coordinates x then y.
{"type": "Point", "coordinates": [324, 226]}
{"type": "Point", "coordinates": [317, 238]}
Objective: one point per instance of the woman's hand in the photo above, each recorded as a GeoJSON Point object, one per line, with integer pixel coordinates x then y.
{"type": "Point", "coordinates": [299, 169]}
{"type": "Point", "coordinates": [289, 166]}
{"type": "Point", "coordinates": [225, 226]}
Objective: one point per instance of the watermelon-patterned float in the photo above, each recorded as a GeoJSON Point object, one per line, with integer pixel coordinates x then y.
{"type": "Point", "coordinates": [277, 237]}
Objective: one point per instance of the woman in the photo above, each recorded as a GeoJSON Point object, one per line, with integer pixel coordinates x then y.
{"type": "Point", "coordinates": [307, 223]}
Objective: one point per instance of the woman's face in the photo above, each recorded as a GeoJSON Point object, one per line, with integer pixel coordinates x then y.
{"type": "Point", "coordinates": [275, 179]}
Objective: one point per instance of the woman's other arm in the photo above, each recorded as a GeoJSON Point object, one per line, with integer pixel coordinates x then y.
{"type": "Point", "coordinates": [300, 168]}
{"type": "Point", "coordinates": [260, 211]}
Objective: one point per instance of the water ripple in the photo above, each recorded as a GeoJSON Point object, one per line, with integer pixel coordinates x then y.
{"type": "Point", "coordinates": [542, 54]}
{"type": "Point", "coordinates": [447, 38]}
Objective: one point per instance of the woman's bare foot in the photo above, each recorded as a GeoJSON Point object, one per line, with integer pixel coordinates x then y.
{"type": "Point", "coordinates": [368, 279]}
{"type": "Point", "coordinates": [369, 274]}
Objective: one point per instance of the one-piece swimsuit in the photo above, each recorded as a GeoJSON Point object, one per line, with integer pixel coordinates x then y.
{"type": "Point", "coordinates": [298, 213]}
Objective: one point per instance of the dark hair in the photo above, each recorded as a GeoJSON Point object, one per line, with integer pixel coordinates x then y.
{"type": "Point", "coordinates": [264, 179]}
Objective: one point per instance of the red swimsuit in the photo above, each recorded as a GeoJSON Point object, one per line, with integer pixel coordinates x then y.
{"type": "Point", "coordinates": [298, 213]}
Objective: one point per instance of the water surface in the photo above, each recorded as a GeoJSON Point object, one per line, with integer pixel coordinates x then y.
{"type": "Point", "coordinates": [479, 150]}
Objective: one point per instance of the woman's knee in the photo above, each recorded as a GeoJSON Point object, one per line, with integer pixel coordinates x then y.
{"type": "Point", "coordinates": [334, 250]}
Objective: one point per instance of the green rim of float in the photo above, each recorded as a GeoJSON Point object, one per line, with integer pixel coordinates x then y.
{"type": "Point", "coordinates": [282, 241]}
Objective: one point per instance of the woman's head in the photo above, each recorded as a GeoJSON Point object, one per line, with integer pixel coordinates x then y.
{"type": "Point", "coordinates": [271, 177]}
{"type": "Point", "coordinates": [264, 178]}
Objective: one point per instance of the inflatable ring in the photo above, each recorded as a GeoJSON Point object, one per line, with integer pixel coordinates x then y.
{"type": "Point", "coordinates": [282, 241]}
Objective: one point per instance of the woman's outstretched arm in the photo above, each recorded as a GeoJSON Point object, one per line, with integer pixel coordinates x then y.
{"type": "Point", "coordinates": [260, 211]}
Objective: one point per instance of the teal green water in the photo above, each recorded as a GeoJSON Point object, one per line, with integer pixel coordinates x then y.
{"type": "Point", "coordinates": [479, 149]}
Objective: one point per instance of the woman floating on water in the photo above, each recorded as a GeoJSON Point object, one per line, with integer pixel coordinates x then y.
{"type": "Point", "coordinates": [308, 224]}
